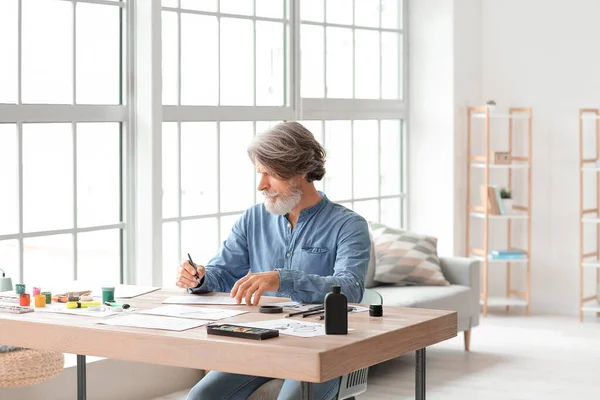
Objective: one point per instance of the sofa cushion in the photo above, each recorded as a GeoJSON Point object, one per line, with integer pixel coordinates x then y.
{"type": "Point", "coordinates": [453, 297]}
{"type": "Point", "coordinates": [405, 257]}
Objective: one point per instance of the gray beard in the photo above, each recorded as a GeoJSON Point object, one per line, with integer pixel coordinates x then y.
{"type": "Point", "coordinates": [283, 204]}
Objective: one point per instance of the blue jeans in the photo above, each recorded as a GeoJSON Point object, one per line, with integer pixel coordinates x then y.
{"type": "Point", "coordinates": [225, 386]}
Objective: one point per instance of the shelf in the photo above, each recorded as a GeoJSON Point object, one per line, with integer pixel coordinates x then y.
{"type": "Point", "coordinates": [591, 220]}
{"type": "Point", "coordinates": [501, 166]}
{"type": "Point", "coordinates": [591, 305]}
{"type": "Point", "coordinates": [502, 260]}
{"type": "Point", "coordinates": [504, 301]}
{"type": "Point", "coordinates": [480, 115]}
{"type": "Point", "coordinates": [591, 264]}
{"type": "Point", "coordinates": [495, 216]}
{"type": "Point", "coordinates": [590, 169]}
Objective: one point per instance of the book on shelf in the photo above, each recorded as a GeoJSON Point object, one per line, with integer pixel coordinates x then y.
{"type": "Point", "coordinates": [507, 254]}
{"type": "Point", "coordinates": [495, 203]}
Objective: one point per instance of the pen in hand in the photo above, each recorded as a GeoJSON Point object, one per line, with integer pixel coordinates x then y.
{"type": "Point", "coordinates": [195, 269]}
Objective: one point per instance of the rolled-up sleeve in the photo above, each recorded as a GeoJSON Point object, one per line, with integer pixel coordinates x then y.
{"type": "Point", "coordinates": [230, 264]}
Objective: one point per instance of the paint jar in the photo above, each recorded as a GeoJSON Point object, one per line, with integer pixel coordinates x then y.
{"type": "Point", "coordinates": [108, 293]}
{"type": "Point", "coordinates": [36, 291]}
{"type": "Point", "coordinates": [40, 300]}
{"type": "Point", "coordinates": [48, 296]}
{"type": "Point", "coordinates": [19, 288]}
{"type": "Point", "coordinates": [24, 299]}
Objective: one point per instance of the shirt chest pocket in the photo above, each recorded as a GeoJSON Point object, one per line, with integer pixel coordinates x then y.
{"type": "Point", "coordinates": [317, 260]}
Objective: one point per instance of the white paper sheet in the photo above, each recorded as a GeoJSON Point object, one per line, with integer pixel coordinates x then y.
{"type": "Point", "coordinates": [199, 299]}
{"type": "Point", "coordinates": [153, 322]}
{"type": "Point", "coordinates": [289, 326]}
{"type": "Point", "coordinates": [62, 309]}
{"type": "Point", "coordinates": [204, 313]}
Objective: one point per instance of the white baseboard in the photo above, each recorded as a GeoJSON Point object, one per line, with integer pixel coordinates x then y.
{"type": "Point", "coordinates": [111, 379]}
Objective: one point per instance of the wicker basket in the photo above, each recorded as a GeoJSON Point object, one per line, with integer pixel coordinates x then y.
{"type": "Point", "coordinates": [28, 367]}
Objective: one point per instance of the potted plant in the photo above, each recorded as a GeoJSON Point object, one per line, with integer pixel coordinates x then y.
{"type": "Point", "coordinates": [507, 200]}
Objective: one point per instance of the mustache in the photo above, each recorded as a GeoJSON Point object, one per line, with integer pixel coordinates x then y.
{"type": "Point", "coordinates": [266, 193]}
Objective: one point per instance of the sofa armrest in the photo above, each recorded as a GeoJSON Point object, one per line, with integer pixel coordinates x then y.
{"type": "Point", "coordinates": [465, 271]}
{"type": "Point", "coordinates": [461, 271]}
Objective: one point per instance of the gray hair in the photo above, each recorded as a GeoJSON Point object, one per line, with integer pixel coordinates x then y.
{"type": "Point", "coordinates": [288, 150]}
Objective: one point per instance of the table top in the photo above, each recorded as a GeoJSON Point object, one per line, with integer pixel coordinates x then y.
{"type": "Point", "coordinates": [315, 359]}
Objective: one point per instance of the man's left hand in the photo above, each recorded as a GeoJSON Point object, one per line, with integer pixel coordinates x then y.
{"type": "Point", "coordinates": [255, 284]}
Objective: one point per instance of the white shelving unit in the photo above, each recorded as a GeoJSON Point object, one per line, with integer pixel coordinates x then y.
{"type": "Point", "coordinates": [504, 301]}
{"type": "Point", "coordinates": [588, 216]}
{"type": "Point", "coordinates": [518, 165]}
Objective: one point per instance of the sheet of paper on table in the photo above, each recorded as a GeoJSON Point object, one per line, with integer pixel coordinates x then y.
{"type": "Point", "coordinates": [296, 306]}
{"type": "Point", "coordinates": [153, 322]}
{"type": "Point", "coordinates": [199, 299]}
{"type": "Point", "coordinates": [9, 297]}
{"type": "Point", "coordinates": [62, 309]}
{"type": "Point", "coordinates": [289, 326]}
{"type": "Point", "coordinates": [204, 313]}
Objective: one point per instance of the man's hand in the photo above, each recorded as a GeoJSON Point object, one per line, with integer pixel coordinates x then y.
{"type": "Point", "coordinates": [255, 284]}
{"type": "Point", "coordinates": [188, 273]}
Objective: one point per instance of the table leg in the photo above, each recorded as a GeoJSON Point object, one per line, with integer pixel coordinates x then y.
{"type": "Point", "coordinates": [307, 391]}
{"type": "Point", "coordinates": [420, 370]}
{"type": "Point", "coordinates": [81, 389]}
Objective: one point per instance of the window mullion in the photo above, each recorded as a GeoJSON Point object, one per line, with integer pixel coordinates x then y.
{"type": "Point", "coordinates": [75, 223]}
{"type": "Point", "coordinates": [74, 143]}
{"type": "Point", "coordinates": [295, 60]}
{"type": "Point", "coordinates": [146, 153]}
{"type": "Point", "coordinates": [20, 172]}
{"type": "Point", "coordinates": [19, 58]}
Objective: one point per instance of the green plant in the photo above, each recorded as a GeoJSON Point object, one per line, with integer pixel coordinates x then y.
{"type": "Point", "coordinates": [505, 193]}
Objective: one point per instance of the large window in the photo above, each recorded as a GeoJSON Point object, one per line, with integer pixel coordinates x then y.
{"type": "Point", "coordinates": [61, 133]}
{"type": "Point", "coordinates": [100, 181]}
{"type": "Point", "coordinates": [231, 69]}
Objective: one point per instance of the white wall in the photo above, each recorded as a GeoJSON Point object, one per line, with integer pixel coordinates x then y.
{"type": "Point", "coordinates": [444, 78]}
{"type": "Point", "coordinates": [545, 54]}
{"type": "Point", "coordinates": [431, 120]}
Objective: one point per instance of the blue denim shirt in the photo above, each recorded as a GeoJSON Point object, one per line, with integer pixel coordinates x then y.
{"type": "Point", "coordinates": [329, 245]}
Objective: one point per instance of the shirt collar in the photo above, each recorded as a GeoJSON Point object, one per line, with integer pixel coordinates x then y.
{"type": "Point", "coordinates": [313, 209]}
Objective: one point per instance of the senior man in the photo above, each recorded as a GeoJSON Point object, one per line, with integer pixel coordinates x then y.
{"type": "Point", "coordinates": [296, 244]}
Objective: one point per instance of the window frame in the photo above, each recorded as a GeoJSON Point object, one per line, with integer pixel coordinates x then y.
{"type": "Point", "coordinates": [19, 113]}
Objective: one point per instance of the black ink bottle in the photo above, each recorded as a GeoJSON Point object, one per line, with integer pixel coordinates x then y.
{"type": "Point", "coordinates": [336, 312]}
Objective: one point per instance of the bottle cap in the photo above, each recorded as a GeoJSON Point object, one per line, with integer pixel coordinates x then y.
{"type": "Point", "coordinates": [336, 289]}
{"type": "Point", "coordinates": [376, 310]}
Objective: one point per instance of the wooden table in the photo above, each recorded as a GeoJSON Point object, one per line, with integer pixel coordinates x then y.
{"type": "Point", "coordinates": [318, 359]}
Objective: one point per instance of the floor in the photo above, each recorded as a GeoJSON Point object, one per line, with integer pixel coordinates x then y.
{"type": "Point", "coordinates": [512, 357]}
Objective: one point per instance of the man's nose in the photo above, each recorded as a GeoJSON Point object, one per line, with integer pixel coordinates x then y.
{"type": "Point", "coordinates": [263, 183]}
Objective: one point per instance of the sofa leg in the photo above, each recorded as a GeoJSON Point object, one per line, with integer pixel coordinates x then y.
{"type": "Point", "coordinates": [467, 340]}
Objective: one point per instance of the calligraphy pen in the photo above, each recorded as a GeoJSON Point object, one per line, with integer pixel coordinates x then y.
{"type": "Point", "coordinates": [192, 263]}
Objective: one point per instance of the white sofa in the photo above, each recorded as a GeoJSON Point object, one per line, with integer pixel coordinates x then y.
{"type": "Point", "coordinates": [462, 295]}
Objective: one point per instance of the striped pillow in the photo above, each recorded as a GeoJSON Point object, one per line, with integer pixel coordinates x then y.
{"type": "Point", "coordinates": [406, 258]}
